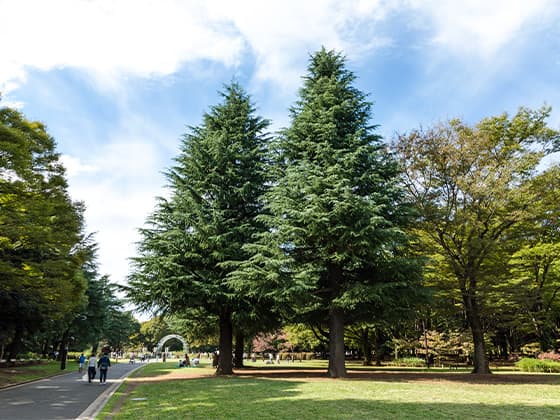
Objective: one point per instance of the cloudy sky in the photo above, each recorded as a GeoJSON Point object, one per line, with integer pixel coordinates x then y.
{"type": "Point", "coordinates": [118, 81]}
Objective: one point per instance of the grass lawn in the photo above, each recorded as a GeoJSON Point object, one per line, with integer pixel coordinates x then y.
{"type": "Point", "coordinates": [18, 374]}
{"type": "Point", "coordinates": [165, 392]}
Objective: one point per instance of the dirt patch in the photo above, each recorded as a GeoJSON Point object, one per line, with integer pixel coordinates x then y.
{"type": "Point", "coordinates": [178, 374]}
{"type": "Point", "coordinates": [383, 376]}
{"type": "Point", "coordinates": [396, 376]}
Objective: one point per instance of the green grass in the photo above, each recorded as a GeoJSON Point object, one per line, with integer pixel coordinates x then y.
{"type": "Point", "coordinates": [260, 398]}
{"type": "Point", "coordinates": [18, 374]}
{"type": "Point", "coordinates": [158, 369]}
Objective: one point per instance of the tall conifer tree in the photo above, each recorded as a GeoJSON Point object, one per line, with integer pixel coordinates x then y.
{"type": "Point", "coordinates": [194, 238]}
{"type": "Point", "coordinates": [335, 210]}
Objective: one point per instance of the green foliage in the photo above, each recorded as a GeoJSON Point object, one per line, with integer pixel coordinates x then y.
{"type": "Point", "coordinates": [300, 337]}
{"type": "Point", "coordinates": [195, 239]}
{"type": "Point", "coordinates": [409, 362]}
{"type": "Point", "coordinates": [473, 185]}
{"type": "Point", "coordinates": [120, 327]}
{"type": "Point", "coordinates": [537, 365]}
{"type": "Point", "coordinates": [336, 212]}
{"type": "Point", "coordinates": [530, 300]}
{"type": "Point", "coordinates": [216, 187]}
{"type": "Point", "coordinates": [40, 232]}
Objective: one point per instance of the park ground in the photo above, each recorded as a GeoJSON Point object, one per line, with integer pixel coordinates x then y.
{"type": "Point", "coordinates": [303, 391]}
{"type": "Point", "coordinates": [19, 374]}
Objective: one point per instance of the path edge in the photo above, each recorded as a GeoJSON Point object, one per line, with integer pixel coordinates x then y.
{"type": "Point", "coordinates": [97, 405]}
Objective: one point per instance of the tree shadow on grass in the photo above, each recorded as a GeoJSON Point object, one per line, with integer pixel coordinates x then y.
{"type": "Point", "coordinates": [254, 398]}
{"type": "Point", "coordinates": [406, 376]}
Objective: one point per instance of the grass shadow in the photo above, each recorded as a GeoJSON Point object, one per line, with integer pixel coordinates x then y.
{"type": "Point", "coordinates": [256, 398]}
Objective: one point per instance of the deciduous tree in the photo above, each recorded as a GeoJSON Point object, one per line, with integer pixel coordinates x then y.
{"type": "Point", "coordinates": [472, 185]}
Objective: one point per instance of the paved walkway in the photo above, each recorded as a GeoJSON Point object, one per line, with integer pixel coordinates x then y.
{"type": "Point", "coordinates": [65, 396]}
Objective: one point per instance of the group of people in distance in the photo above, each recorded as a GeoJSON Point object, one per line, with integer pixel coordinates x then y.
{"type": "Point", "coordinates": [103, 364]}
{"type": "Point", "coordinates": [186, 362]}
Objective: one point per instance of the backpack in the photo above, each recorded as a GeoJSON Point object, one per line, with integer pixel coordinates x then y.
{"type": "Point", "coordinates": [104, 363]}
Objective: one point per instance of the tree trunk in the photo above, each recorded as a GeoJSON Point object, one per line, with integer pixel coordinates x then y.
{"type": "Point", "coordinates": [225, 365]}
{"type": "Point", "coordinates": [426, 347]}
{"type": "Point", "coordinates": [13, 348]}
{"type": "Point", "coordinates": [239, 341]}
{"type": "Point", "coordinates": [337, 368]}
{"type": "Point", "coordinates": [379, 342]}
{"type": "Point", "coordinates": [366, 347]}
{"type": "Point", "coordinates": [473, 317]}
{"type": "Point", "coordinates": [63, 349]}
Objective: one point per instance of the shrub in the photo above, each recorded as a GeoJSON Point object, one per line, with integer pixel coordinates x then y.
{"type": "Point", "coordinates": [549, 356]}
{"type": "Point", "coordinates": [73, 355]}
{"type": "Point", "coordinates": [410, 362]}
{"type": "Point", "coordinates": [538, 365]}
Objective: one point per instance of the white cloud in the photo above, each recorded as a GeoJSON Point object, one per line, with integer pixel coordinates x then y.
{"type": "Point", "coordinates": [113, 38]}
{"type": "Point", "coordinates": [110, 37]}
{"type": "Point", "coordinates": [480, 27]}
{"type": "Point", "coordinates": [74, 166]}
{"type": "Point", "coordinates": [118, 184]}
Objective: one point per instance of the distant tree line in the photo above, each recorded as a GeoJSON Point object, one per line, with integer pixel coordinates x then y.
{"type": "Point", "coordinates": [444, 239]}
{"type": "Point", "coordinates": [445, 230]}
{"type": "Point", "coordinates": [52, 298]}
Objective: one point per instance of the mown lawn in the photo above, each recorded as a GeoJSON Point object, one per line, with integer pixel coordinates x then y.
{"type": "Point", "coordinates": [391, 395]}
{"type": "Point", "coordinates": [18, 374]}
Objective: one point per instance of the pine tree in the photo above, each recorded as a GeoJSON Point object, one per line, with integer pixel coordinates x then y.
{"type": "Point", "coordinates": [336, 209]}
{"type": "Point", "coordinates": [195, 238]}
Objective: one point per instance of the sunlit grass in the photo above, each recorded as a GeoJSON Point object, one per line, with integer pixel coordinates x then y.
{"type": "Point", "coordinates": [18, 374]}
{"type": "Point", "coordinates": [262, 398]}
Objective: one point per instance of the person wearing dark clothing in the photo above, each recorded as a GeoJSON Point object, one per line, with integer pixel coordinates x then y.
{"type": "Point", "coordinates": [103, 365]}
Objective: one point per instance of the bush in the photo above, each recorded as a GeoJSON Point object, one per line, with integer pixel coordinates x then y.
{"type": "Point", "coordinates": [538, 365]}
{"type": "Point", "coordinates": [555, 357]}
{"type": "Point", "coordinates": [410, 362]}
{"type": "Point", "coordinates": [73, 355]}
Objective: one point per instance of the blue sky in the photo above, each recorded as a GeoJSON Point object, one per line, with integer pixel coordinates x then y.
{"type": "Point", "coordinates": [118, 81]}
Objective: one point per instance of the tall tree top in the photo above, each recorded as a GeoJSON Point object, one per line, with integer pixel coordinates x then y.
{"type": "Point", "coordinates": [330, 120]}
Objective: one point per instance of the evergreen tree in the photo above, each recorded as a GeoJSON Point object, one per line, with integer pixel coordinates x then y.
{"type": "Point", "coordinates": [335, 211]}
{"type": "Point", "coordinates": [196, 237]}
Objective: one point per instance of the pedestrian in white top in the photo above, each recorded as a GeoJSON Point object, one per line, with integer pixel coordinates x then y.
{"type": "Point", "coordinates": [91, 367]}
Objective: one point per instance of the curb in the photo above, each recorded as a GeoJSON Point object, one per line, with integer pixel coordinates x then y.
{"type": "Point", "coordinates": [96, 406]}
{"type": "Point", "coordinates": [9, 386]}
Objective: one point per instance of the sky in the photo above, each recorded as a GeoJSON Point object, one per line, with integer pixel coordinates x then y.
{"type": "Point", "coordinates": [118, 82]}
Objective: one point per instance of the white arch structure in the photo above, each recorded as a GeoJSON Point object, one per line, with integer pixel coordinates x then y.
{"type": "Point", "coordinates": [169, 337]}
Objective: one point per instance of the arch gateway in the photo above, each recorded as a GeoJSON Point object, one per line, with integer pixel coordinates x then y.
{"type": "Point", "coordinates": [170, 337]}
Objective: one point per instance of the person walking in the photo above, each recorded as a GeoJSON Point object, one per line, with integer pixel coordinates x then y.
{"type": "Point", "coordinates": [103, 365]}
{"type": "Point", "coordinates": [81, 361]}
{"type": "Point", "coordinates": [91, 367]}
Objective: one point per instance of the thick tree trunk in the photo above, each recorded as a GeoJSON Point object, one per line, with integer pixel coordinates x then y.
{"type": "Point", "coordinates": [366, 347]}
{"type": "Point", "coordinates": [473, 317]}
{"type": "Point", "coordinates": [337, 367]}
{"type": "Point", "coordinates": [225, 365]}
{"type": "Point", "coordinates": [239, 341]}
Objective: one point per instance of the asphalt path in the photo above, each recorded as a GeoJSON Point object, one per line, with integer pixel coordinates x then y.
{"type": "Point", "coordinates": [66, 396]}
